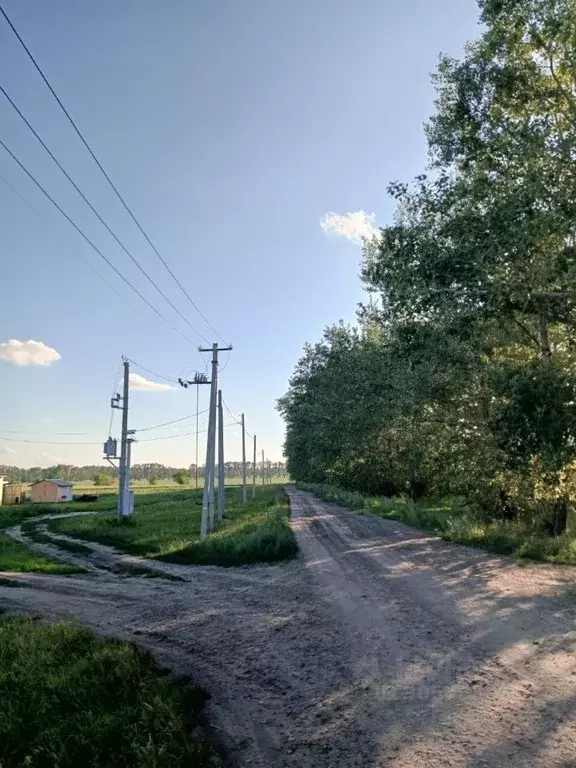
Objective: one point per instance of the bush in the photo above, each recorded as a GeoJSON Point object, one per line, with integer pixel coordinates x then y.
{"type": "Point", "coordinates": [102, 479]}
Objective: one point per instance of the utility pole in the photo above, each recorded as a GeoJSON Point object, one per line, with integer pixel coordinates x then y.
{"type": "Point", "coordinates": [263, 470]}
{"type": "Point", "coordinates": [243, 461]}
{"type": "Point", "coordinates": [123, 475]}
{"type": "Point", "coordinates": [254, 471]}
{"type": "Point", "coordinates": [199, 378]}
{"type": "Point", "coordinates": [197, 410]}
{"type": "Point", "coordinates": [208, 493]}
{"type": "Point", "coordinates": [221, 489]}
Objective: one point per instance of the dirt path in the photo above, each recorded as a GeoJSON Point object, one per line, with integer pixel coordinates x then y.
{"type": "Point", "coordinates": [379, 647]}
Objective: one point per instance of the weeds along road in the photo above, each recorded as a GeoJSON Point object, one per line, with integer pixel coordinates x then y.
{"type": "Point", "coordinates": [379, 646]}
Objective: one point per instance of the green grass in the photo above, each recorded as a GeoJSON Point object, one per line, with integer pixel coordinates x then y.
{"type": "Point", "coordinates": [452, 522]}
{"type": "Point", "coordinates": [168, 527]}
{"type": "Point", "coordinates": [69, 699]}
{"type": "Point", "coordinates": [15, 556]}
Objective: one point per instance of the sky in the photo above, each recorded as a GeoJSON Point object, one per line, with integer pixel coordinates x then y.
{"type": "Point", "coordinates": [254, 142]}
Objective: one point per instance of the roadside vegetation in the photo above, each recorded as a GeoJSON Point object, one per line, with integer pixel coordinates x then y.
{"type": "Point", "coordinates": [459, 380]}
{"type": "Point", "coordinates": [455, 521]}
{"type": "Point", "coordinates": [168, 527]}
{"type": "Point", "coordinates": [71, 699]}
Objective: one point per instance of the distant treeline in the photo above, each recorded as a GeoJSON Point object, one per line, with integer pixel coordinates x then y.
{"type": "Point", "coordinates": [87, 473]}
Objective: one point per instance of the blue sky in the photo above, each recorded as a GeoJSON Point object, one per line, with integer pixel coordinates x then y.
{"type": "Point", "coordinates": [231, 128]}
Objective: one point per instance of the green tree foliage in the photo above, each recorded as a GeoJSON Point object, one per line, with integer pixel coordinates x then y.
{"type": "Point", "coordinates": [181, 478]}
{"type": "Point", "coordinates": [153, 480]}
{"type": "Point", "coordinates": [461, 378]}
{"type": "Point", "coordinates": [103, 479]}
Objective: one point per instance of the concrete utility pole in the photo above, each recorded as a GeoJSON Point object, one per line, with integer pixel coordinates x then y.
{"type": "Point", "coordinates": [254, 471]}
{"type": "Point", "coordinates": [208, 493]}
{"type": "Point", "coordinates": [243, 461]}
{"type": "Point", "coordinates": [124, 500]}
{"type": "Point", "coordinates": [197, 410]}
{"type": "Point", "coordinates": [221, 488]}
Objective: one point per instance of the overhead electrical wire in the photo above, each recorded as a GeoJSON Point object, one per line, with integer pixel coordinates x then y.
{"type": "Point", "coordinates": [172, 437]}
{"type": "Point", "coordinates": [46, 434]}
{"type": "Point", "coordinates": [58, 442]}
{"type": "Point", "coordinates": [107, 177]}
{"type": "Point", "coordinates": [82, 259]}
{"type": "Point", "coordinates": [236, 419]}
{"type": "Point", "coordinates": [153, 373]}
{"type": "Point", "coordinates": [167, 423]}
{"type": "Point", "coordinates": [114, 390]}
{"type": "Point", "coordinates": [91, 244]}
{"type": "Point", "coordinates": [95, 212]}
{"type": "Point", "coordinates": [44, 442]}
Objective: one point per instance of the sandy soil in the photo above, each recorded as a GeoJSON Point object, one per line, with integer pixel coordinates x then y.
{"type": "Point", "coordinates": [379, 646]}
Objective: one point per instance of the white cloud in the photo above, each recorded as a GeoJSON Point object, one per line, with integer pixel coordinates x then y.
{"type": "Point", "coordinates": [27, 352]}
{"type": "Point", "coordinates": [6, 449]}
{"type": "Point", "coordinates": [139, 382]}
{"type": "Point", "coordinates": [356, 226]}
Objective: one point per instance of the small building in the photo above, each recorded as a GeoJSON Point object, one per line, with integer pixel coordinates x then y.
{"type": "Point", "coordinates": [51, 491]}
{"type": "Point", "coordinates": [13, 493]}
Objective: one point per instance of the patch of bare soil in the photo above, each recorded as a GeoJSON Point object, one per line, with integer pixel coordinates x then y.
{"type": "Point", "coordinates": [380, 646]}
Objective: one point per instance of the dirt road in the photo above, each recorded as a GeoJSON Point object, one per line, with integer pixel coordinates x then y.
{"type": "Point", "coordinates": [379, 646]}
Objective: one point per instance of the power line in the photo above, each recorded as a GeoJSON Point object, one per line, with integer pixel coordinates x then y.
{"type": "Point", "coordinates": [43, 442]}
{"type": "Point", "coordinates": [91, 244]}
{"type": "Point", "coordinates": [236, 419]}
{"type": "Point", "coordinates": [108, 179]}
{"type": "Point", "coordinates": [58, 442]}
{"type": "Point", "coordinates": [167, 423]}
{"type": "Point", "coordinates": [102, 221]}
{"type": "Point", "coordinates": [47, 434]}
{"type": "Point", "coordinates": [114, 390]}
{"type": "Point", "coordinates": [82, 259]}
{"type": "Point", "coordinates": [158, 375]}
{"type": "Point", "coordinates": [173, 437]}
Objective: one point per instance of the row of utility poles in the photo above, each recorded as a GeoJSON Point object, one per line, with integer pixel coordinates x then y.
{"type": "Point", "coordinates": [208, 500]}
{"type": "Point", "coordinates": [215, 428]}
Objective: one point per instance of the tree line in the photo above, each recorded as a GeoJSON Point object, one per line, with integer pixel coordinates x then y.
{"type": "Point", "coordinates": [459, 379]}
{"type": "Point", "coordinates": [105, 474]}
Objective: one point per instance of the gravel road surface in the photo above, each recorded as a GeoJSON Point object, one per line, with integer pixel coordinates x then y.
{"type": "Point", "coordinates": [379, 646]}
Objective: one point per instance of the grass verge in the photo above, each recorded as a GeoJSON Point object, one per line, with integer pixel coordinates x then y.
{"type": "Point", "coordinates": [71, 699]}
{"type": "Point", "coordinates": [452, 522]}
{"type": "Point", "coordinates": [15, 556]}
{"type": "Point", "coordinates": [169, 529]}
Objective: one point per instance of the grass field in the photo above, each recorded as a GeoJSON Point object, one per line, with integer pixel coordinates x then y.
{"type": "Point", "coordinates": [452, 524]}
{"type": "Point", "coordinates": [70, 699]}
{"type": "Point", "coordinates": [167, 526]}
{"type": "Point", "coordinates": [142, 486]}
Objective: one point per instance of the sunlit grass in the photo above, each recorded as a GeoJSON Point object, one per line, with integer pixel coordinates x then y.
{"type": "Point", "coordinates": [70, 699]}
{"type": "Point", "coordinates": [169, 528]}
{"type": "Point", "coordinates": [15, 556]}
